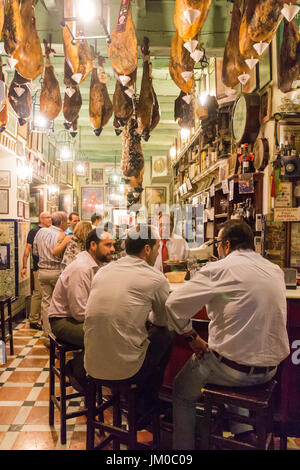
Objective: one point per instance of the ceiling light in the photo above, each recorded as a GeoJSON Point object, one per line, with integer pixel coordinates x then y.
{"type": "Point", "coordinates": [289, 11]}
{"type": "Point", "coordinates": [86, 10]}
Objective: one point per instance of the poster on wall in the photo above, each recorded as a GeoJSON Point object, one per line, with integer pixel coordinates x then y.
{"type": "Point", "coordinates": [92, 200]}
{"type": "Point", "coordinates": [4, 256]}
{"type": "Point", "coordinates": [295, 245]}
{"type": "Point", "coordinates": [8, 280]}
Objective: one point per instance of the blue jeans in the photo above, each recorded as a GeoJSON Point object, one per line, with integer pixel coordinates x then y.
{"type": "Point", "coordinates": [187, 386]}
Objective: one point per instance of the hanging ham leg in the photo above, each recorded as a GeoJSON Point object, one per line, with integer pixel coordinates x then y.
{"type": "Point", "coordinates": [180, 61]}
{"type": "Point", "coordinates": [50, 99]}
{"type": "Point", "coordinates": [78, 55]}
{"type": "Point", "coordinates": [122, 106]}
{"type": "Point", "coordinates": [122, 50]}
{"type": "Point", "coordinates": [72, 99]}
{"type": "Point", "coordinates": [185, 29]}
{"type": "Point", "coordinates": [184, 113]}
{"type": "Point", "coordinates": [146, 100]}
{"type": "Point", "coordinates": [28, 51]}
{"type": "Point", "coordinates": [1, 16]}
{"type": "Point", "coordinates": [132, 161]}
{"type": "Point", "coordinates": [12, 29]}
{"type": "Point", "coordinates": [100, 107]}
{"type": "Point", "coordinates": [20, 98]}
{"type": "Point", "coordinates": [4, 102]}
{"type": "Point", "coordinates": [289, 58]}
{"type": "Point", "coordinates": [233, 62]}
{"type": "Point", "coordinates": [156, 112]}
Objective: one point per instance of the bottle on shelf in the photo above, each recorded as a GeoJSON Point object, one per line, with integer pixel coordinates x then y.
{"type": "Point", "coordinates": [247, 161]}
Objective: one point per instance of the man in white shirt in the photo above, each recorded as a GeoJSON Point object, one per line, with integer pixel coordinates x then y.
{"type": "Point", "coordinates": [172, 246]}
{"type": "Point", "coordinates": [67, 308]}
{"type": "Point", "coordinates": [125, 295]}
{"type": "Point", "coordinates": [245, 300]}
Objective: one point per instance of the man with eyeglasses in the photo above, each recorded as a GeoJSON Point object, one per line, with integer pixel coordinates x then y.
{"type": "Point", "coordinates": [36, 298]}
{"type": "Point", "coordinates": [245, 299]}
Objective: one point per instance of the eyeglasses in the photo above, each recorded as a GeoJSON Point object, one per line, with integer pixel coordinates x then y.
{"type": "Point", "coordinates": [214, 242]}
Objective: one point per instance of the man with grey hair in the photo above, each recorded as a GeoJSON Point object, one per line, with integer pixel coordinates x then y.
{"type": "Point", "coordinates": [119, 345]}
{"type": "Point", "coordinates": [35, 302]}
{"type": "Point", "coordinates": [49, 245]}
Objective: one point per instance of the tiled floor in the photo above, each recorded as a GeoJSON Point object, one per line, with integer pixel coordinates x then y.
{"type": "Point", "coordinates": [24, 398]}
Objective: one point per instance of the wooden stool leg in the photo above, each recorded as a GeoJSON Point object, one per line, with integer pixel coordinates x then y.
{"type": "Point", "coordinates": [261, 429]}
{"type": "Point", "coordinates": [132, 443]}
{"type": "Point", "coordinates": [51, 383]}
{"type": "Point", "coordinates": [63, 400]}
{"type": "Point", "coordinates": [117, 419]}
{"type": "Point", "coordinates": [91, 413]}
{"type": "Point", "coordinates": [205, 432]}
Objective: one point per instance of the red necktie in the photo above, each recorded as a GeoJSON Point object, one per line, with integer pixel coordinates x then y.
{"type": "Point", "coordinates": [164, 256]}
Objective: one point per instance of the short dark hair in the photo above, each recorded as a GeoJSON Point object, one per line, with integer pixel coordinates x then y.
{"type": "Point", "coordinates": [71, 215]}
{"type": "Point", "coordinates": [134, 245]}
{"type": "Point", "coordinates": [95, 217]}
{"type": "Point", "coordinates": [92, 237]}
{"type": "Point", "coordinates": [238, 233]}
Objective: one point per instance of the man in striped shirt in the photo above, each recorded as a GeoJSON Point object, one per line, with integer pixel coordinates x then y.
{"type": "Point", "coordinates": [49, 245]}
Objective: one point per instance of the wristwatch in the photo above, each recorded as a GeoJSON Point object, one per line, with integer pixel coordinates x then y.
{"type": "Point", "coordinates": [190, 337]}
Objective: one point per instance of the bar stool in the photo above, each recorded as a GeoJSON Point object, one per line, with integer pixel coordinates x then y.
{"type": "Point", "coordinates": [58, 350]}
{"type": "Point", "coordinates": [6, 300]}
{"type": "Point", "coordinates": [259, 400]}
{"type": "Point", "coordinates": [117, 433]}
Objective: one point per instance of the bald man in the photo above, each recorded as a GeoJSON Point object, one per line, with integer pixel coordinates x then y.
{"type": "Point", "coordinates": [35, 304]}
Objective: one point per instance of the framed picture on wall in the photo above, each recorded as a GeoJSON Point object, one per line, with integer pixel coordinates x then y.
{"type": "Point", "coordinates": [4, 179]}
{"type": "Point", "coordinates": [26, 211]}
{"type": "Point", "coordinates": [266, 105]}
{"type": "Point", "coordinates": [64, 172]}
{"type": "Point", "coordinates": [20, 209]}
{"type": "Point", "coordinates": [70, 173]}
{"type": "Point", "coordinates": [155, 196]}
{"type": "Point", "coordinates": [92, 200]}
{"type": "Point", "coordinates": [4, 201]}
{"type": "Point", "coordinates": [97, 175]}
{"type": "Point", "coordinates": [65, 202]}
{"type": "Point", "coordinates": [4, 256]}
{"type": "Point", "coordinates": [252, 83]}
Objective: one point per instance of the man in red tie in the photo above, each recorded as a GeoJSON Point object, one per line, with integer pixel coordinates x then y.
{"type": "Point", "coordinates": [172, 246]}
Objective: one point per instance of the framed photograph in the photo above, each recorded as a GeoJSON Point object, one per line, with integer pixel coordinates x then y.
{"type": "Point", "coordinates": [252, 83]}
{"type": "Point", "coordinates": [4, 256]}
{"type": "Point", "coordinates": [92, 200]}
{"type": "Point", "coordinates": [265, 68]}
{"type": "Point", "coordinates": [159, 166]}
{"type": "Point", "coordinates": [26, 211]}
{"type": "Point", "coordinates": [65, 202]}
{"type": "Point", "coordinates": [36, 204]}
{"type": "Point", "coordinates": [20, 209]}
{"type": "Point", "coordinates": [266, 105]}
{"type": "Point", "coordinates": [155, 196]}
{"type": "Point", "coordinates": [4, 179]}
{"type": "Point", "coordinates": [97, 175]}
{"type": "Point", "coordinates": [4, 201]}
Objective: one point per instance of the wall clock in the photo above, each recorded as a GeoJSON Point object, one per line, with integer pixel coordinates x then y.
{"type": "Point", "coordinates": [245, 118]}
